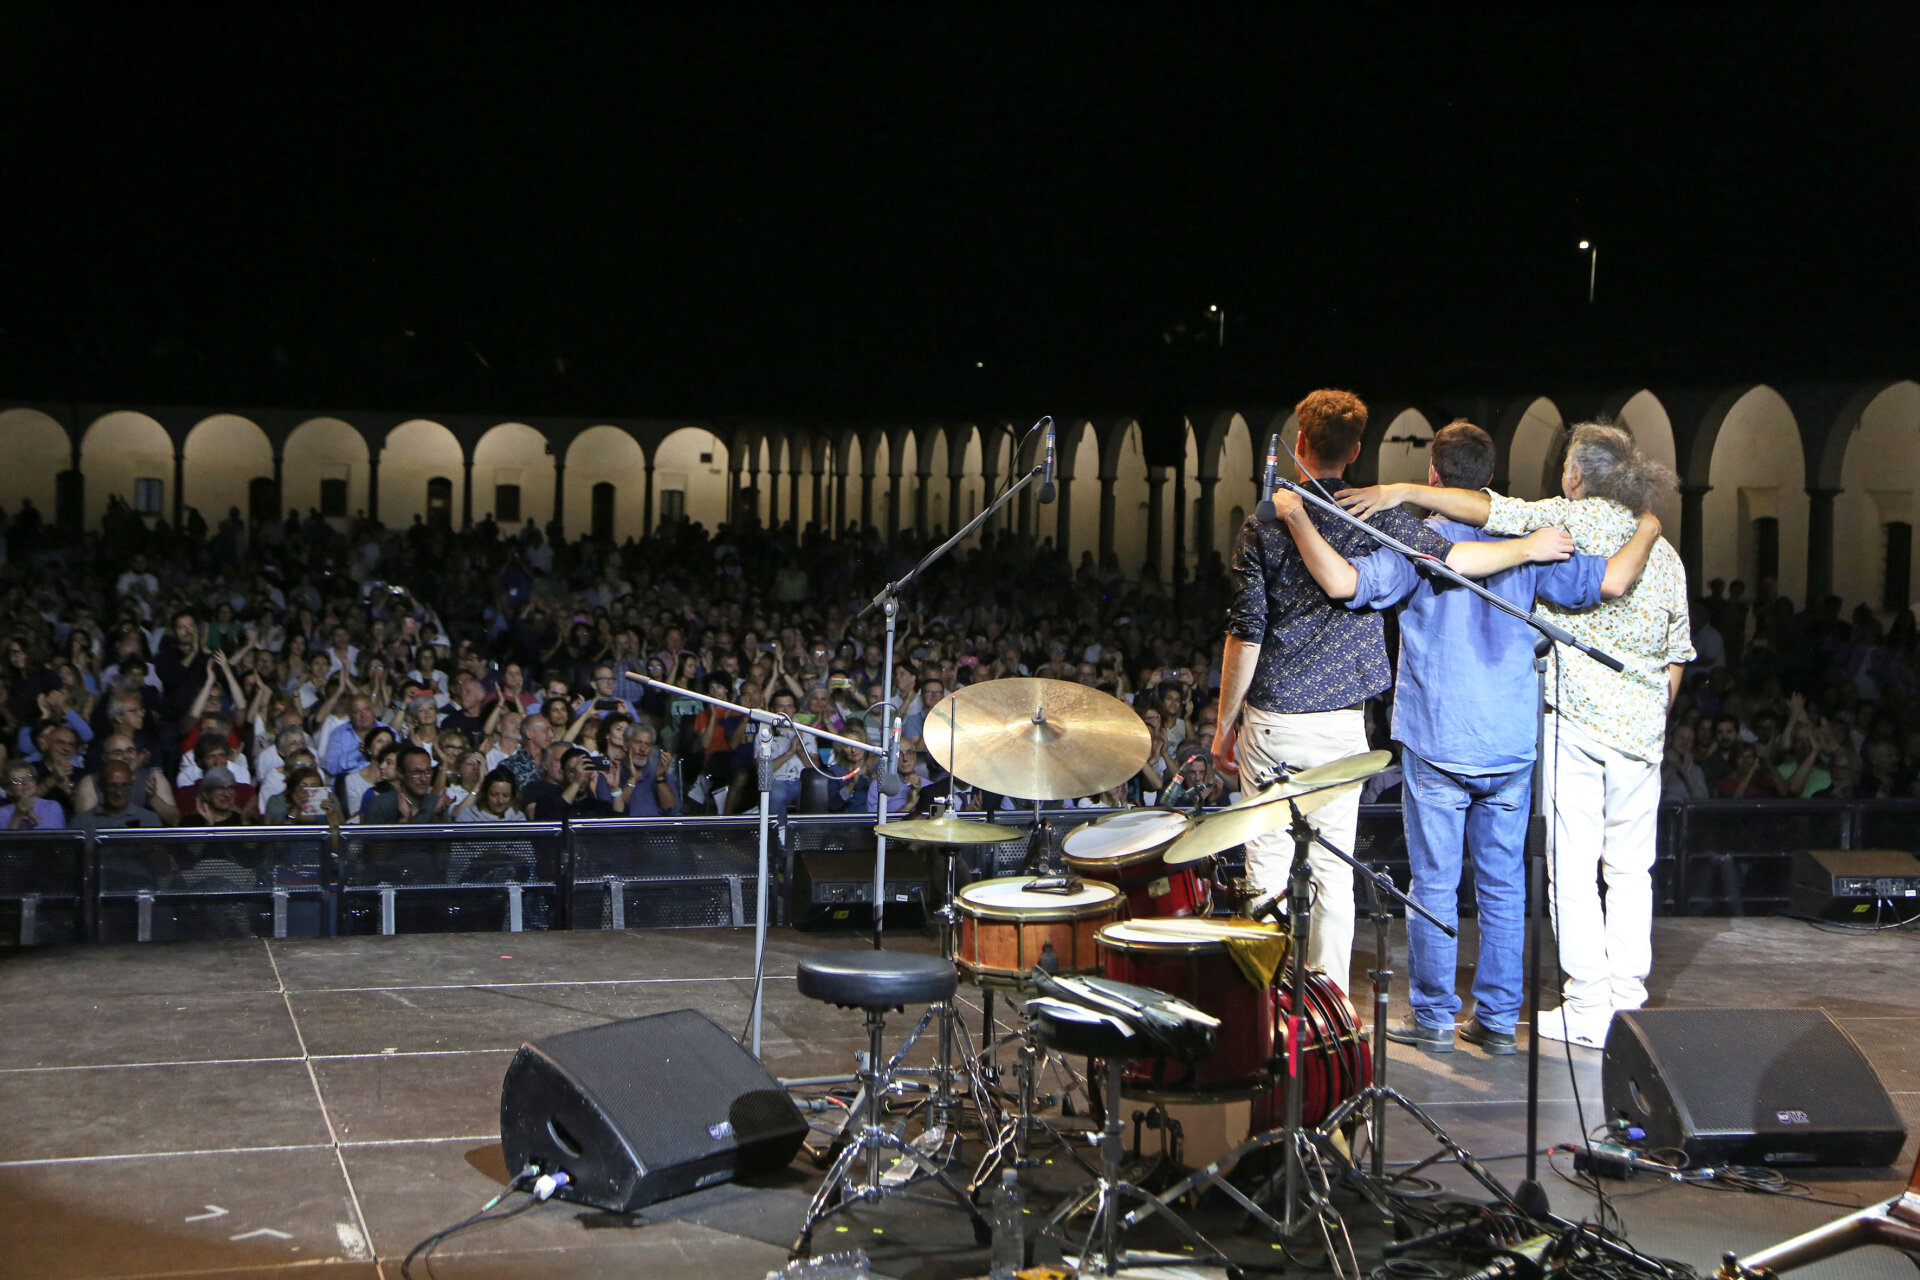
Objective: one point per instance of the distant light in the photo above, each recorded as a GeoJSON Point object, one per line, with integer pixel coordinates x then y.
{"type": "Point", "coordinates": [1585, 245]}
{"type": "Point", "coordinates": [1213, 308]}
{"type": "Point", "coordinates": [979, 364]}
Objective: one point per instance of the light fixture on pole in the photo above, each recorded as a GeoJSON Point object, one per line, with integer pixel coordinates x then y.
{"type": "Point", "coordinates": [1592, 251]}
{"type": "Point", "coordinates": [1220, 325]}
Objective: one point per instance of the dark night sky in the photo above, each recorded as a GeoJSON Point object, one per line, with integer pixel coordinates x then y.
{"type": "Point", "coordinates": [808, 216]}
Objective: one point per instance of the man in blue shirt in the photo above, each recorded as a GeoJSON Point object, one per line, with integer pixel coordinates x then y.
{"type": "Point", "coordinates": [1464, 715]}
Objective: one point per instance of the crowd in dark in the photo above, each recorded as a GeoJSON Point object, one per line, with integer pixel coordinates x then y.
{"type": "Point", "coordinates": [297, 671]}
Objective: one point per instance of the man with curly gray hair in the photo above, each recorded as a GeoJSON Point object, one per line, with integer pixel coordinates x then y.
{"type": "Point", "coordinates": [1607, 731]}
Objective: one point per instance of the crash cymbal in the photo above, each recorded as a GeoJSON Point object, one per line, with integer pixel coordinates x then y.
{"type": "Point", "coordinates": [1346, 769]}
{"type": "Point", "coordinates": [1242, 822]}
{"type": "Point", "coordinates": [1037, 739]}
{"type": "Point", "coordinates": [949, 831]}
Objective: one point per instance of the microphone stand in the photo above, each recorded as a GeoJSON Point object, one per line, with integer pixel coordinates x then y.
{"type": "Point", "coordinates": [888, 602]}
{"type": "Point", "coordinates": [764, 722]}
{"type": "Point", "coordinates": [1531, 1195]}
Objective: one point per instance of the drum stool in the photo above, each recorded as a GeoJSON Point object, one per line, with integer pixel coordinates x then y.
{"type": "Point", "coordinates": [1100, 1252]}
{"type": "Point", "coordinates": [875, 981]}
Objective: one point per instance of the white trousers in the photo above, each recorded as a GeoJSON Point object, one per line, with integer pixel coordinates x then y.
{"type": "Point", "coordinates": [1606, 805]}
{"type": "Point", "coordinates": [1300, 741]}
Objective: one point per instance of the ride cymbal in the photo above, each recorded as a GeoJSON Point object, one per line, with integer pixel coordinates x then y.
{"type": "Point", "coordinates": [1036, 739]}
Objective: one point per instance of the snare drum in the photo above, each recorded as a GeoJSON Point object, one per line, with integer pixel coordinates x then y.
{"type": "Point", "coordinates": [1004, 926]}
{"type": "Point", "coordinates": [1127, 849]}
{"type": "Point", "coordinates": [1189, 959]}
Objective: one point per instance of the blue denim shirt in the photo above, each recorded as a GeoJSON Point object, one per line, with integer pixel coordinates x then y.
{"type": "Point", "coordinates": [1314, 654]}
{"type": "Point", "coordinates": [1467, 695]}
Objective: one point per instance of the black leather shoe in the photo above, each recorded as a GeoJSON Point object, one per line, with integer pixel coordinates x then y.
{"type": "Point", "coordinates": [1477, 1032]}
{"type": "Point", "coordinates": [1424, 1038]}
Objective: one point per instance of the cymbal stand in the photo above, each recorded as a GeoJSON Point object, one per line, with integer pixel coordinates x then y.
{"type": "Point", "coordinates": [1372, 1101]}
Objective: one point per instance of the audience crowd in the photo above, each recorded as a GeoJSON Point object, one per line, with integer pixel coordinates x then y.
{"type": "Point", "coordinates": [298, 672]}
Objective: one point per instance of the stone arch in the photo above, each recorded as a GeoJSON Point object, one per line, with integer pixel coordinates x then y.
{"type": "Point", "coordinates": [120, 449]}
{"type": "Point", "coordinates": [319, 450]}
{"type": "Point", "coordinates": [1878, 478]}
{"type": "Point", "coordinates": [1239, 483]}
{"type": "Point", "coordinates": [1210, 443]}
{"type": "Point", "coordinates": [1077, 463]}
{"type": "Point", "coordinates": [1132, 496]}
{"type": "Point", "coordinates": [1756, 466]}
{"type": "Point", "coordinates": [1643, 413]}
{"type": "Point", "coordinates": [938, 456]}
{"type": "Point", "coordinates": [968, 464]}
{"type": "Point", "coordinates": [692, 462]}
{"type": "Point", "coordinates": [38, 449]}
{"type": "Point", "coordinates": [415, 453]}
{"type": "Point", "coordinates": [513, 453]}
{"type": "Point", "coordinates": [1533, 449]}
{"type": "Point", "coordinates": [611, 455]}
{"type": "Point", "coordinates": [1405, 448]}
{"type": "Point", "coordinates": [225, 454]}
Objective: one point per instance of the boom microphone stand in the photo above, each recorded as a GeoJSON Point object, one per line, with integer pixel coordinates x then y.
{"type": "Point", "coordinates": [1531, 1195]}
{"type": "Point", "coordinates": [764, 722]}
{"type": "Point", "coordinates": [888, 602]}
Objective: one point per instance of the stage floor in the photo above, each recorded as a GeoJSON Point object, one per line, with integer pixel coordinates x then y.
{"type": "Point", "coordinates": [315, 1108]}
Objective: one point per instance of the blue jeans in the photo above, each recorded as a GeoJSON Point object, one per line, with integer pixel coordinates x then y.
{"type": "Point", "coordinates": [1489, 811]}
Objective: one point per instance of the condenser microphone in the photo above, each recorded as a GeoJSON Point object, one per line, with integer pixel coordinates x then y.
{"type": "Point", "coordinates": [1046, 476]}
{"type": "Point", "coordinates": [1264, 511]}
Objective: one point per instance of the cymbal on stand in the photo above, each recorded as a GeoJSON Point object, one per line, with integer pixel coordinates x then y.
{"type": "Point", "coordinates": [1245, 821]}
{"type": "Point", "coordinates": [949, 830]}
{"type": "Point", "coordinates": [1036, 739]}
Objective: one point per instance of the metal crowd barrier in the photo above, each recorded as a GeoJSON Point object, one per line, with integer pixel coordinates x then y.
{"type": "Point", "coordinates": [1715, 856]}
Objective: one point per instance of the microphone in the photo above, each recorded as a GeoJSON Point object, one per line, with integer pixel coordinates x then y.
{"type": "Point", "coordinates": [1264, 511]}
{"type": "Point", "coordinates": [1046, 477]}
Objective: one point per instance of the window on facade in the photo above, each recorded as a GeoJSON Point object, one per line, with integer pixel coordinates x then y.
{"type": "Point", "coordinates": [506, 503]}
{"type": "Point", "coordinates": [673, 505]}
{"type": "Point", "coordinates": [1897, 577]}
{"type": "Point", "coordinates": [148, 495]}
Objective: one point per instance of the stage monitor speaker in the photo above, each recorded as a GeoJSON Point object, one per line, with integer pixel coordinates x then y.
{"type": "Point", "coordinates": [644, 1109]}
{"type": "Point", "coordinates": [1749, 1086]}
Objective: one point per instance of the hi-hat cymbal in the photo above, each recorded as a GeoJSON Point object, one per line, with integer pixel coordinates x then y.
{"type": "Point", "coordinates": [949, 830]}
{"type": "Point", "coordinates": [1037, 739]}
{"type": "Point", "coordinates": [1242, 822]}
{"type": "Point", "coordinates": [1346, 769]}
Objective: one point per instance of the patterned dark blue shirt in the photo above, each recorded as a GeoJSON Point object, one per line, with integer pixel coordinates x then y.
{"type": "Point", "coordinates": [1315, 653]}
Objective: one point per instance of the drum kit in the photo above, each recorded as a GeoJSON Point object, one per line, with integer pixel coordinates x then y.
{"type": "Point", "coordinates": [1127, 907]}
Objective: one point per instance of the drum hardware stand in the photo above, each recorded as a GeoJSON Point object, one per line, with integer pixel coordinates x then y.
{"type": "Point", "coordinates": [1099, 1250]}
{"type": "Point", "coordinates": [1371, 1101]}
{"type": "Point", "coordinates": [764, 722]}
{"type": "Point", "coordinates": [1167, 1164]}
{"type": "Point", "coordinates": [1015, 1143]}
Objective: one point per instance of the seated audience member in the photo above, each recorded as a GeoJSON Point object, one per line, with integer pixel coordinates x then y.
{"type": "Point", "coordinates": [567, 789]}
{"type": "Point", "coordinates": [305, 798]}
{"type": "Point", "coordinates": [379, 748]}
{"type": "Point", "coordinates": [216, 801]}
{"type": "Point", "coordinates": [496, 800]}
{"type": "Point", "coordinates": [25, 809]}
{"type": "Point", "coordinates": [652, 788]}
{"type": "Point", "coordinates": [116, 808]}
{"type": "Point", "coordinates": [150, 786]}
{"type": "Point", "coordinates": [414, 797]}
